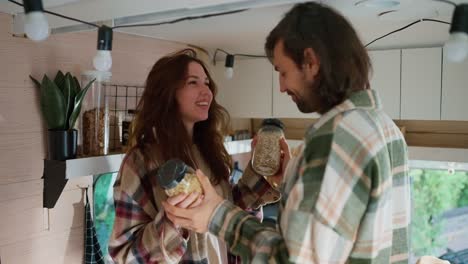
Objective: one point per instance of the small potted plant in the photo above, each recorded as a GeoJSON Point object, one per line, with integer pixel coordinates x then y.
{"type": "Point", "coordinates": [60, 105]}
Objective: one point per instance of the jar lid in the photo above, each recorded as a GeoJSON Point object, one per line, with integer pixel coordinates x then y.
{"type": "Point", "coordinates": [273, 122]}
{"type": "Point", "coordinates": [171, 173]}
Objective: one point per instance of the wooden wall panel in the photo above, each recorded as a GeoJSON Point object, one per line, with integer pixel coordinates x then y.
{"type": "Point", "coordinates": [50, 248]}
{"type": "Point", "coordinates": [28, 232]}
{"type": "Point", "coordinates": [23, 115]}
{"type": "Point", "coordinates": [20, 219]}
{"type": "Point", "coordinates": [21, 157]}
{"type": "Point", "coordinates": [19, 190]}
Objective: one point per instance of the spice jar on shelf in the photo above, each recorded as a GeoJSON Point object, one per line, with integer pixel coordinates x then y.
{"type": "Point", "coordinates": [94, 116]}
{"type": "Point", "coordinates": [176, 177]}
{"type": "Point", "coordinates": [266, 156]}
{"type": "Point", "coordinates": [126, 127]}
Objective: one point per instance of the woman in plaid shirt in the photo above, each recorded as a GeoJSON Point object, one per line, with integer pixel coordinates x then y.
{"type": "Point", "coordinates": [177, 117]}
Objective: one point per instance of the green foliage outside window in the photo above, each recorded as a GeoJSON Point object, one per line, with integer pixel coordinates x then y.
{"type": "Point", "coordinates": [434, 192]}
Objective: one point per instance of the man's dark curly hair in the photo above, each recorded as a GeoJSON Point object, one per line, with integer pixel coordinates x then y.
{"type": "Point", "coordinates": [344, 62]}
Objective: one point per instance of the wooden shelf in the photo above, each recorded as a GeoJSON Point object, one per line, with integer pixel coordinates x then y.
{"type": "Point", "coordinates": [57, 173]}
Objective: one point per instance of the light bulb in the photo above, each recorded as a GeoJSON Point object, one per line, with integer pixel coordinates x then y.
{"type": "Point", "coordinates": [456, 48]}
{"type": "Point", "coordinates": [36, 26]}
{"type": "Point", "coordinates": [229, 72]}
{"type": "Point", "coordinates": [103, 60]}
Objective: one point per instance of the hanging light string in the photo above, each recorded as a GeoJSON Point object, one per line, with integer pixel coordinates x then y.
{"type": "Point", "coordinates": [138, 25]}
{"type": "Point", "coordinates": [180, 19]}
{"type": "Point", "coordinates": [235, 54]}
{"type": "Point", "coordinates": [233, 12]}
{"type": "Point", "coordinates": [373, 41]}
{"type": "Point", "coordinates": [59, 15]}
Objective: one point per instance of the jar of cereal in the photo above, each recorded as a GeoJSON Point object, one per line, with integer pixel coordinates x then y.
{"type": "Point", "coordinates": [176, 177]}
{"type": "Point", "coordinates": [266, 156]}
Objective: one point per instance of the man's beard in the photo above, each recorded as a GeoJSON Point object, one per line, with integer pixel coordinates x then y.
{"type": "Point", "coordinates": [305, 103]}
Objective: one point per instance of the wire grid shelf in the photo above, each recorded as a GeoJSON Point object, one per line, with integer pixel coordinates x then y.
{"type": "Point", "coordinates": [120, 99]}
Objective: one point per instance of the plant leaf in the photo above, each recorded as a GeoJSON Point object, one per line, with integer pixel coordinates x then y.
{"type": "Point", "coordinates": [52, 104]}
{"type": "Point", "coordinates": [69, 96]}
{"type": "Point", "coordinates": [77, 107]}
{"type": "Point", "coordinates": [77, 84]}
{"type": "Point", "coordinates": [60, 79]}
{"type": "Point", "coordinates": [36, 82]}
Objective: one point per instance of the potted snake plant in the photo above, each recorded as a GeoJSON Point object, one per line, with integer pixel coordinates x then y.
{"type": "Point", "coordinates": [60, 101]}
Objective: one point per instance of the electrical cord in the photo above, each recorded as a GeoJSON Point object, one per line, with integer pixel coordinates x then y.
{"type": "Point", "coordinates": [373, 41]}
{"type": "Point", "coordinates": [138, 25]}
{"type": "Point", "coordinates": [227, 13]}
{"type": "Point", "coordinates": [235, 54]}
{"type": "Point", "coordinates": [405, 27]}
{"type": "Point", "coordinates": [180, 19]}
{"type": "Point", "coordinates": [59, 15]}
{"type": "Point", "coordinates": [446, 1]}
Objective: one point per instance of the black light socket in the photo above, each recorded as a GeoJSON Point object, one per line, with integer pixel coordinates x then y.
{"type": "Point", "coordinates": [32, 5]}
{"type": "Point", "coordinates": [104, 38]}
{"type": "Point", "coordinates": [460, 19]}
{"type": "Point", "coordinates": [229, 61]}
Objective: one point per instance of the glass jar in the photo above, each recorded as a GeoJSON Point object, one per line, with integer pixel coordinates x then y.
{"type": "Point", "coordinates": [266, 156]}
{"type": "Point", "coordinates": [126, 127]}
{"type": "Point", "coordinates": [175, 177]}
{"type": "Point", "coordinates": [94, 116]}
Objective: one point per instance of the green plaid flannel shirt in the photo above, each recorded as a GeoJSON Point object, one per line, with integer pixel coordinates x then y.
{"type": "Point", "coordinates": [345, 196]}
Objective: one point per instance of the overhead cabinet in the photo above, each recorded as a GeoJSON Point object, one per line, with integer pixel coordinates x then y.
{"type": "Point", "coordinates": [455, 91]}
{"type": "Point", "coordinates": [385, 79]}
{"type": "Point", "coordinates": [421, 83]}
{"type": "Point", "coordinates": [414, 84]}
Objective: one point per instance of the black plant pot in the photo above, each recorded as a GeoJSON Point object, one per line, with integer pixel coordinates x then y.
{"type": "Point", "coordinates": [62, 144]}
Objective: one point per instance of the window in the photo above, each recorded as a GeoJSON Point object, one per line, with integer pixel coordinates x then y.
{"type": "Point", "coordinates": [440, 210]}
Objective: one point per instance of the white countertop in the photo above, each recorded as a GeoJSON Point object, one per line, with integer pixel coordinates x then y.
{"type": "Point", "coordinates": [420, 157]}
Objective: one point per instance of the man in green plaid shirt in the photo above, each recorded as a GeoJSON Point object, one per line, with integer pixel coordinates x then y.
{"type": "Point", "coordinates": [345, 194]}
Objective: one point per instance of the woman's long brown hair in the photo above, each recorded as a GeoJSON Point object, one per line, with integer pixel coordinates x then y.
{"type": "Point", "coordinates": [158, 131]}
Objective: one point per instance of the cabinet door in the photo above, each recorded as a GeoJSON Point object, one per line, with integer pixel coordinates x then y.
{"type": "Point", "coordinates": [248, 93]}
{"type": "Point", "coordinates": [455, 91]}
{"type": "Point", "coordinates": [283, 105]}
{"type": "Point", "coordinates": [421, 83]}
{"type": "Point", "coordinates": [385, 79]}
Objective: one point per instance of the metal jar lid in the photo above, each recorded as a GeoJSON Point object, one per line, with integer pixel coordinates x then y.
{"type": "Point", "coordinates": [171, 173]}
{"type": "Point", "coordinates": [273, 122]}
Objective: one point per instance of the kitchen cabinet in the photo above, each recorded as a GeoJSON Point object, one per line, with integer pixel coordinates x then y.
{"type": "Point", "coordinates": [421, 83]}
{"type": "Point", "coordinates": [385, 79]}
{"type": "Point", "coordinates": [283, 105]}
{"type": "Point", "coordinates": [455, 90]}
{"type": "Point", "coordinates": [414, 84]}
{"type": "Point", "coordinates": [249, 93]}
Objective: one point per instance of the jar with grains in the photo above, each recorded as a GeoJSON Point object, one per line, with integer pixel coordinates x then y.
{"type": "Point", "coordinates": [93, 139]}
{"type": "Point", "coordinates": [266, 156]}
{"type": "Point", "coordinates": [175, 177]}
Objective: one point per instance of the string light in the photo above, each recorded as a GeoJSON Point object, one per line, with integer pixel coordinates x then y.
{"type": "Point", "coordinates": [36, 26]}
{"type": "Point", "coordinates": [456, 48]}
{"type": "Point", "coordinates": [103, 59]}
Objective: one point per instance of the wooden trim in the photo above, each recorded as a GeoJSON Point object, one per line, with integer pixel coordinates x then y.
{"type": "Point", "coordinates": [442, 134]}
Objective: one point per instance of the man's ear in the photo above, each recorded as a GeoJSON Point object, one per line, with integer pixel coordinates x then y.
{"type": "Point", "coordinates": [311, 64]}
